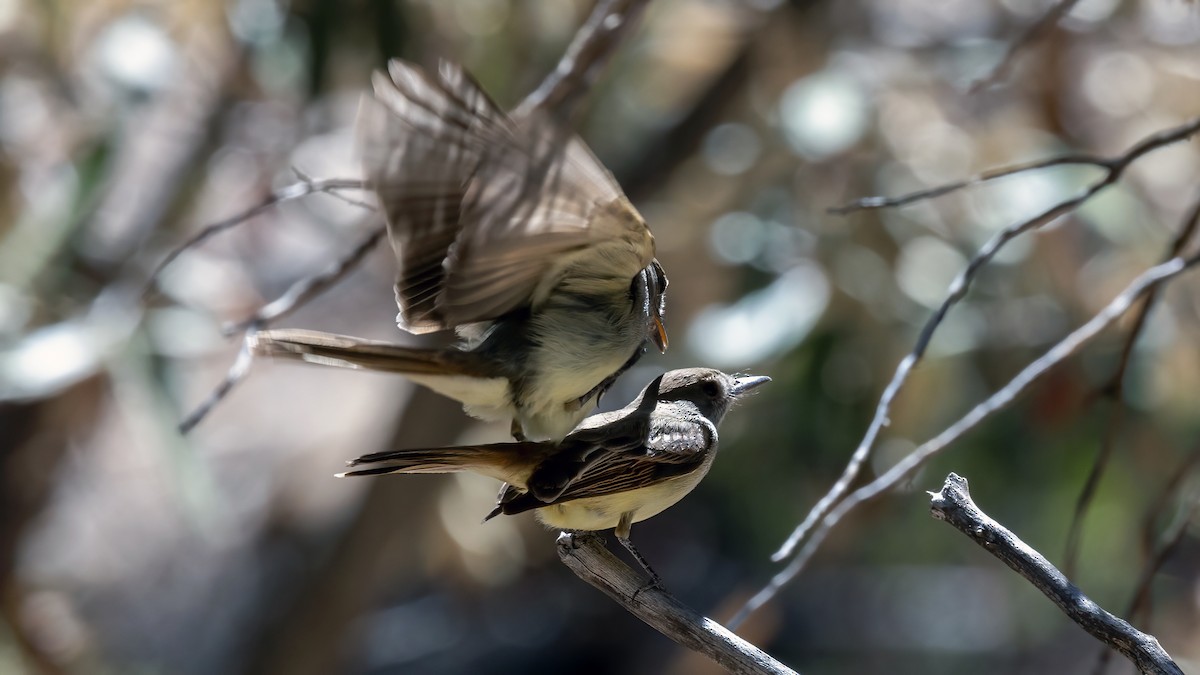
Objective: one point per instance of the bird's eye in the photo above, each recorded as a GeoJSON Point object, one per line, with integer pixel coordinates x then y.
{"type": "Point", "coordinates": [710, 389]}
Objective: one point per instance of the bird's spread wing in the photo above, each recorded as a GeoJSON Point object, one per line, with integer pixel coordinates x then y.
{"type": "Point", "coordinates": [481, 208]}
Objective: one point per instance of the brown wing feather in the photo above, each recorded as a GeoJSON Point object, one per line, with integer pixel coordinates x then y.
{"type": "Point", "coordinates": [676, 446]}
{"type": "Point", "coordinates": [481, 207]}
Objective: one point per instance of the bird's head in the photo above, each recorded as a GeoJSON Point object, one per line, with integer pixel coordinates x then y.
{"type": "Point", "coordinates": [710, 390]}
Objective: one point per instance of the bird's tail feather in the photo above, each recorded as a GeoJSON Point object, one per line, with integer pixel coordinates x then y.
{"type": "Point", "coordinates": [509, 462]}
{"type": "Point", "coordinates": [345, 351]}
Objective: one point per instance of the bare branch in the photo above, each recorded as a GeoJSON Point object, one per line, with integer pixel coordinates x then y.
{"type": "Point", "coordinates": [1115, 390]}
{"type": "Point", "coordinates": [303, 290]}
{"type": "Point", "coordinates": [237, 371]}
{"type": "Point", "coordinates": [306, 186]}
{"type": "Point", "coordinates": [993, 404]}
{"type": "Point", "coordinates": [880, 202]}
{"type": "Point", "coordinates": [296, 296]}
{"type": "Point", "coordinates": [588, 558]}
{"type": "Point", "coordinates": [1157, 552]}
{"type": "Point", "coordinates": [1115, 167]}
{"type": "Point", "coordinates": [953, 505]}
{"type": "Point", "coordinates": [1031, 34]}
{"type": "Point", "coordinates": [592, 46]}
{"type": "Point", "coordinates": [1167, 542]}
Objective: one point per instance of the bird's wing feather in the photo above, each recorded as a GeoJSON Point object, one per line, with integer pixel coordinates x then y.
{"type": "Point", "coordinates": [481, 207]}
{"type": "Point", "coordinates": [610, 475]}
{"type": "Point", "coordinates": [675, 447]}
{"type": "Point", "coordinates": [622, 432]}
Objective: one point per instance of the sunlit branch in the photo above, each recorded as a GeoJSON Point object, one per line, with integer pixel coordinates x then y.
{"type": "Point", "coordinates": [1115, 391]}
{"type": "Point", "coordinates": [881, 202]}
{"type": "Point", "coordinates": [1026, 38]}
{"type": "Point", "coordinates": [594, 43]}
{"type": "Point", "coordinates": [588, 558]}
{"type": "Point", "coordinates": [996, 402]}
{"type": "Point", "coordinates": [1114, 167]}
{"type": "Point", "coordinates": [237, 371]}
{"type": "Point", "coordinates": [296, 296]}
{"type": "Point", "coordinates": [306, 186]}
{"type": "Point", "coordinates": [303, 290]}
{"type": "Point", "coordinates": [953, 505]}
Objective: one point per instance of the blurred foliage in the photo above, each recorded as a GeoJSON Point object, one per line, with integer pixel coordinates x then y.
{"type": "Point", "coordinates": [126, 125]}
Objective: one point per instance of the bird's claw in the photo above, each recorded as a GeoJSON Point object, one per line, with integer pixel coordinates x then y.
{"type": "Point", "coordinates": [653, 584]}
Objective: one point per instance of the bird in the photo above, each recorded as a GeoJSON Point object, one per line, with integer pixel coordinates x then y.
{"type": "Point", "coordinates": [615, 469]}
{"type": "Point", "coordinates": [509, 231]}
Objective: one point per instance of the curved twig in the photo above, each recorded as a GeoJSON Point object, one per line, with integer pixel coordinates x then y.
{"type": "Point", "coordinates": [994, 403]}
{"type": "Point", "coordinates": [304, 187]}
{"type": "Point", "coordinates": [1115, 390]}
{"type": "Point", "coordinates": [594, 43]}
{"type": "Point", "coordinates": [295, 297]}
{"type": "Point", "coordinates": [1026, 38]}
{"type": "Point", "coordinates": [1114, 169]}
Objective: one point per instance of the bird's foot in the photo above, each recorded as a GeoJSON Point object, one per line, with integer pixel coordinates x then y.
{"type": "Point", "coordinates": [655, 584]}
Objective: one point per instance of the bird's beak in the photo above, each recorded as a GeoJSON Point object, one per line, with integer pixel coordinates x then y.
{"type": "Point", "coordinates": [659, 335]}
{"type": "Point", "coordinates": [742, 385]}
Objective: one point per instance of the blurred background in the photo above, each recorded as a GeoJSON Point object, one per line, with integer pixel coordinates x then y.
{"type": "Point", "coordinates": [126, 126]}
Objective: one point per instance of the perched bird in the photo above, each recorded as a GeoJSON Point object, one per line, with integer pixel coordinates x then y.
{"type": "Point", "coordinates": [510, 231]}
{"type": "Point", "coordinates": [617, 468]}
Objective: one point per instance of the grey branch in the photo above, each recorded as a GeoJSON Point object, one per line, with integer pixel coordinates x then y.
{"type": "Point", "coordinates": [1113, 166]}
{"type": "Point", "coordinates": [1119, 305]}
{"type": "Point", "coordinates": [1114, 169]}
{"type": "Point", "coordinates": [1115, 389]}
{"type": "Point", "coordinates": [591, 561]}
{"type": "Point", "coordinates": [1027, 37]}
{"type": "Point", "coordinates": [953, 504]}
{"type": "Point", "coordinates": [306, 186]}
{"type": "Point", "coordinates": [592, 46]}
{"type": "Point", "coordinates": [295, 297]}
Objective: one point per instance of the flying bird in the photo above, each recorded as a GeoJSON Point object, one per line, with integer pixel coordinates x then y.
{"type": "Point", "coordinates": [509, 231]}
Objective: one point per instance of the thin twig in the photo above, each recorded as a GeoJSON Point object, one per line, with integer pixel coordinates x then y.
{"type": "Point", "coordinates": [303, 188]}
{"type": "Point", "coordinates": [309, 287]}
{"type": "Point", "coordinates": [1114, 167]}
{"type": "Point", "coordinates": [993, 404]}
{"type": "Point", "coordinates": [880, 202]}
{"type": "Point", "coordinates": [296, 296]}
{"type": "Point", "coordinates": [1115, 391]}
{"type": "Point", "coordinates": [237, 371]}
{"type": "Point", "coordinates": [1031, 33]}
{"type": "Point", "coordinates": [1157, 554]}
{"type": "Point", "coordinates": [953, 505]}
{"type": "Point", "coordinates": [593, 44]}
{"type": "Point", "coordinates": [588, 558]}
